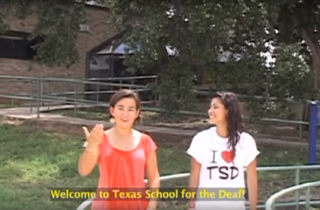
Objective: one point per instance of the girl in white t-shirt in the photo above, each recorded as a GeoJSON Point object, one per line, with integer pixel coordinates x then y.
{"type": "Point", "coordinates": [219, 156]}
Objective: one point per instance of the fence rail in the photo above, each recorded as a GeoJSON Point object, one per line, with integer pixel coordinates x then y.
{"type": "Point", "coordinates": [270, 204]}
{"type": "Point", "coordinates": [40, 95]}
{"type": "Point", "coordinates": [94, 82]}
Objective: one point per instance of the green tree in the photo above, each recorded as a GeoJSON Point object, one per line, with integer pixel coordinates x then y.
{"type": "Point", "coordinates": [58, 21]}
{"type": "Point", "coordinates": [297, 22]}
{"type": "Point", "coordinates": [201, 31]}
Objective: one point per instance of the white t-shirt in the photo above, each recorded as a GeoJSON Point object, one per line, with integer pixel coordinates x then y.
{"type": "Point", "coordinates": [218, 171]}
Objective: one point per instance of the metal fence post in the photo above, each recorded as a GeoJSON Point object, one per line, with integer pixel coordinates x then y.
{"type": "Point", "coordinates": [313, 132]}
{"type": "Point", "coordinates": [75, 99]}
{"type": "Point", "coordinates": [297, 193]}
{"type": "Point", "coordinates": [38, 96]}
{"type": "Point", "coordinates": [31, 95]}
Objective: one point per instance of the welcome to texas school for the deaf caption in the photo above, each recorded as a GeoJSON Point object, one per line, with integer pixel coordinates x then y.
{"type": "Point", "coordinates": [172, 194]}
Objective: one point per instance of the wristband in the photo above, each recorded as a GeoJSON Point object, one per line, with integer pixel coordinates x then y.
{"type": "Point", "coordinates": [90, 150]}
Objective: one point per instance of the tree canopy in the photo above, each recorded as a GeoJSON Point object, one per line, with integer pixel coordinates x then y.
{"type": "Point", "coordinates": [227, 39]}
{"type": "Point", "coordinates": [201, 31]}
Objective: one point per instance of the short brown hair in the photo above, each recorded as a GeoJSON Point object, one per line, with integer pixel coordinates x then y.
{"type": "Point", "coordinates": [125, 93]}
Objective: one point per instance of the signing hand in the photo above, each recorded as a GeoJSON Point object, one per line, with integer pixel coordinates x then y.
{"type": "Point", "coordinates": [95, 136]}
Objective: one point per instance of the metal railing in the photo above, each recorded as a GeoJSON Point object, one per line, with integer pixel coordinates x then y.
{"type": "Point", "coordinates": [121, 79]}
{"type": "Point", "coordinates": [270, 204]}
{"type": "Point", "coordinates": [271, 200]}
{"type": "Point", "coordinates": [73, 92]}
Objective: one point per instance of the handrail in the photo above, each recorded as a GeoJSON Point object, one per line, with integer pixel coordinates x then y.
{"type": "Point", "coordinates": [39, 92]}
{"type": "Point", "coordinates": [51, 98]}
{"type": "Point", "coordinates": [86, 203]}
{"type": "Point", "coordinates": [271, 201]}
{"type": "Point", "coordinates": [78, 79]}
{"type": "Point", "coordinates": [88, 81]}
{"type": "Point", "coordinates": [125, 78]}
{"type": "Point", "coordinates": [90, 92]}
{"type": "Point", "coordinates": [50, 79]}
{"type": "Point", "coordinates": [82, 81]}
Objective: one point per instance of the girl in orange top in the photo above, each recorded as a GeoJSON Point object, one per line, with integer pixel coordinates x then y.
{"type": "Point", "coordinates": [124, 155]}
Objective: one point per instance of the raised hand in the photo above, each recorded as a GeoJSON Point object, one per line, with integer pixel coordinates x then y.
{"type": "Point", "coordinates": [95, 136]}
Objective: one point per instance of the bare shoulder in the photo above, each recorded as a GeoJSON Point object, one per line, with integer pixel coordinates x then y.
{"type": "Point", "coordinates": [136, 133]}
{"type": "Point", "coordinates": [146, 138]}
{"type": "Point", "coordinates": [108, 131]}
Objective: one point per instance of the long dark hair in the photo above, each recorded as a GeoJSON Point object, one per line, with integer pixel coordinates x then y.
{"type": "Point", "coordinates": [234, 118]}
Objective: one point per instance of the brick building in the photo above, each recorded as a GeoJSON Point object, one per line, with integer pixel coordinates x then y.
{"type": "Point", "coordinates": [93, 37]}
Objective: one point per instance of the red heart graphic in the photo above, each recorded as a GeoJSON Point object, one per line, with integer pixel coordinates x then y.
{"type": "Point", "coordinates": [227, 156]}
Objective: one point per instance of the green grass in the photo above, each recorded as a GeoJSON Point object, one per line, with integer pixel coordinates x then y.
{"type": "Point", "coordinates": [4, 106]}
{"type": "Point", "coordinates": [33, 161]}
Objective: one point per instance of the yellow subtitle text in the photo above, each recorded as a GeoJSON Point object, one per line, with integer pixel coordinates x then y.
{"type": "Point", "coordinates": [70, 194]}
{"type": "Point", "coordinates": [221, 194]}
{"type": "Point", "coordinates": [206, 194]}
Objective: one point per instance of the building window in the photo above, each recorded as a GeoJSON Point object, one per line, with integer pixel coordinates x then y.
{"type": "Point", "coordinates": [99, 62]}
{"type": "Point", "coordinates": [18, 45]}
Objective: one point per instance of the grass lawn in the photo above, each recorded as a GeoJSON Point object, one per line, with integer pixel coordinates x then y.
{"type": "Point", "coordinates": [7, 105]}
{"type": "Point", "coordinates": [32, 162]}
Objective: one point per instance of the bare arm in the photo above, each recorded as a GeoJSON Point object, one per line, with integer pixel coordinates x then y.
{"type": "Point", "coordinates": [252, 180]}
{"type": "Point", "coordinates": [89, 157]}
{"type": "Point", "coordinates": [153, 176]}
{"type": "Point", "coordinates": [194, 179]}
{"type": "Point", "coordinates": [88, 161]}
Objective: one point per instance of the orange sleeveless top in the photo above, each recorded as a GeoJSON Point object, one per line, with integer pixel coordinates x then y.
{"type": "Point", "coordinates": [122, 170]}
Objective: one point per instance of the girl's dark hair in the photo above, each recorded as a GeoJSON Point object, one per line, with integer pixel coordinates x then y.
{"type": "Point", "coordinates": [125, 93]}
{"type": "Point", "coordinates": [234, 118]}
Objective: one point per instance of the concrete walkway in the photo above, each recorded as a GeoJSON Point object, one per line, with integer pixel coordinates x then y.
{"type": "Point", "coordinates": [24, 114]}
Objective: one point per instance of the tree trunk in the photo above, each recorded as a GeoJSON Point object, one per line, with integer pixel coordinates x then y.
{"type": "Point", "coordinates": [313, 44]}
